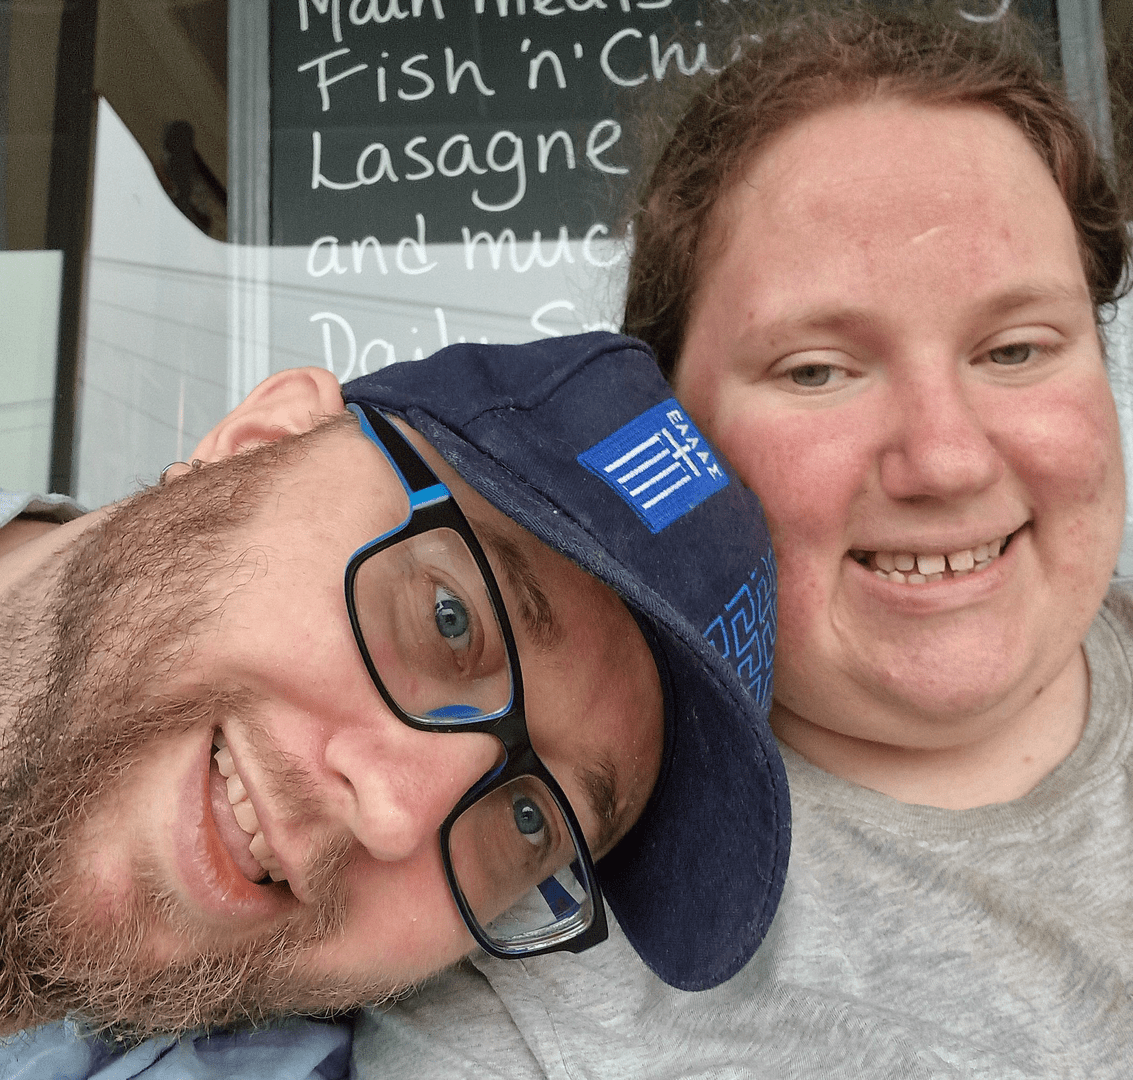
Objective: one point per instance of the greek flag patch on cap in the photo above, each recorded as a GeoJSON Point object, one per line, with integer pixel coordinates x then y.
{"type": "Point", "coordinates": [659, 464]}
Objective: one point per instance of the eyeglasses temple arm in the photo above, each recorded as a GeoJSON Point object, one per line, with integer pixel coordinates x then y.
{"type": "Point", "coordinates": [420, 480]}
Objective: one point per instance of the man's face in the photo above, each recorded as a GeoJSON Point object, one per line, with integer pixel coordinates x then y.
{"type": "Point", "coordinates": [894, 344]}
{"type": "Point", "coordinates": [166, 868]}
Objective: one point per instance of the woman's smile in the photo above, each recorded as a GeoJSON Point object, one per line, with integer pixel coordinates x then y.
{"type": "Point", "coordinates": [917, 395]}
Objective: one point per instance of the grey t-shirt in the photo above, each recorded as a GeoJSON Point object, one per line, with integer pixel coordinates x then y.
{"type": "Point", "coordinates": [911, 941]}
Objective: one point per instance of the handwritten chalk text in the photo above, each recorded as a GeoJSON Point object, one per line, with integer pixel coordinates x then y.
{"type": "Point", "coordinates": [505, 153]}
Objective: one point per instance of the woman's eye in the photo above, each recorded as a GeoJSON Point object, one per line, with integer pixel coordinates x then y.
{"type": "Point", "coordinates": [451, 617]}
{"type": "Point", "coordinates": [528, 819]}
{"type": "Point", "coordinates": [1018, 353]}
{"type": "Point", "coordinates": [812, 375]}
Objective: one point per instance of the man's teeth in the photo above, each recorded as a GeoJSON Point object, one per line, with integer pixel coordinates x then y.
{"type": "Point", "coordinates": [911, 568]}
{"type": "Point", "coordinates": [244, 811]}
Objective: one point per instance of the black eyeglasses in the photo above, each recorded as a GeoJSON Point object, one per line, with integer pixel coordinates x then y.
{"type": "Point", "coordinates": [432, 627]}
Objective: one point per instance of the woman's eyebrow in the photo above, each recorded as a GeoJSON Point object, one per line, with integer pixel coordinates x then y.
{"type": "Point", "coordinates": [535, 609]}
{"type": "Point", "coordinates": [852, 320]}
{"type": "Point", "coordinates": [1024, 296]}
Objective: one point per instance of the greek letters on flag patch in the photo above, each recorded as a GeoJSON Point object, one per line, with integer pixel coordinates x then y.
{"type": "Point", "coordinates": [659, 464]}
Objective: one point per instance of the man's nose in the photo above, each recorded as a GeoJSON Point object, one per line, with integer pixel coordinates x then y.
{"type": "Point", "coordinates": [393, 786]}
{"type": "Point", "coordinates": [938, 445]}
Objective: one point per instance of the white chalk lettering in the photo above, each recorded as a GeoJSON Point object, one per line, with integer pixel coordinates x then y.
{"type": "Point", "coordinates": [321, 7]}
{"type": "Point", "coordinates": [407, 243]}
{"type": "Point", "coordinates": [595, 146]}
{"type": "Point", "coordinates": [467, 158]}
{"type": "Point", "coordinates": [442, 327]}
{"type": "Point", "coordinates": [545, 142]}
{"type": "Point", "coordinates": [425, 81]}
{"type": "Point", "coordinates": [324, 83]}
{"type": "Point", "coordinates": [537, 63]}
{"type": "Point", "coordinates": [324, 256]}
{"type": "Point", "coordinates": [495, 248]}
{"type": "Point", "coordinates": [995, 16]}
{"type": "Point", "coordinates": [407, 68]}
{"type": "Point", "coordinates": [317, 178]}
{"type": "Point", "coordinates": [622, 71]}
{"type": "Point", "coordinates": [502, 7]}
{"type": "Point", "coordinates": [540, 313]}
{"type": "Point", "coordinates": [376, 343]}
{"type": "Point", "coordinates": [427, 169]}
{"type": "Point", "coordinates": [364, 11]}
{"type": "Point", "coordinates": [561, 251]}
{"type": "Point", "coordinates": [331, 263]}
{"type": "Point", "coordinates": [453, 77]}
{"type": "Point", "coordinates": [505, 153]}
{"type": "Point", "coordinates": [514, 162]}
{"type": "Point", "coordinates": [588, 255]}
{"type": "Point", "coordinates": [354, 362]}
{"type": "Point", "coordinates": [551, 7]}
{"type": "Point", "coordinates": [661, 61]}
{"type": "Point", "coordinates": [327, 318]}
{"type": "Point", "coordinates": [548, 330]}
{"type": "Point", "coordinates": [385, 164]}
{"type": "Point", "coordinates": [358, 252]}
{"type": "Point", "coordinates": [604, 58]}
{"type": "Point", "coordinates": [373, 13]}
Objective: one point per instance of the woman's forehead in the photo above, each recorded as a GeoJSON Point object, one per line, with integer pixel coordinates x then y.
{"type": "Point", "coordinates": [892, 182]}
{"type": "Point", "coordinates": [946, 147]}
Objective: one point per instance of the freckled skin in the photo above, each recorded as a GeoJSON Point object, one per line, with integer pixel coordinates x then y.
{"type": "Point", "coordinates": [893, 252]}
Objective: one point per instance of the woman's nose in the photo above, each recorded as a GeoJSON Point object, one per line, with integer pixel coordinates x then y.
{"type": "Point", "coordinates": [939, 446]}
{"type": "Point", "coordinates": [393, 785]}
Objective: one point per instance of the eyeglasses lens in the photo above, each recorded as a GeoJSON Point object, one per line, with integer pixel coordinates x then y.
{"type": "Point", "coordinates": [518, 867]}
{"type": "Point", "coordinates": [432, 631]}
{"type": "Point", "coordinates": [435, 640]}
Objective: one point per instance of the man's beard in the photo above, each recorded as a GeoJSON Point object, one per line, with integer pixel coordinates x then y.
{"type": "Point", "coordinates": [80, 705]}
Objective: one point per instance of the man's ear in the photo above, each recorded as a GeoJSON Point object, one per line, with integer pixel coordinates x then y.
{"type": "Point", "coordinates": [286, 403]}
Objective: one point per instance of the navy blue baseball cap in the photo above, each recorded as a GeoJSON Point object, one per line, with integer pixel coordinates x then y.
{"type": "Point", "coordinates": [580, 441]}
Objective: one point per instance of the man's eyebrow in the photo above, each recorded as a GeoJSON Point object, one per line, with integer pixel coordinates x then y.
{"type": "Point", "coordinates": [600, 783]}
{"type": "Point", "coordinates": [534, 608]}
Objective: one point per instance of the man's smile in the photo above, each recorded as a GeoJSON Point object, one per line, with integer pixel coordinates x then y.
{"type": "Point", "coordinates": [212, 869]}
{"type": "Point", "coordinates": [232, 806]}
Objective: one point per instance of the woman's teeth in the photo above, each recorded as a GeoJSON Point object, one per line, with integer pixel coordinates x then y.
{"type": "Point", "coordinates": [244, 811]}
{"type": "Point", "coordinates": [910, 568]}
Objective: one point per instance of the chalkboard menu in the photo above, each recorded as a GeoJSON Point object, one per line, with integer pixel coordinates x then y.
{"type": "Point", "coordinates": [478, 114]}
{"type": "Point", "coordinates": [458, 168]}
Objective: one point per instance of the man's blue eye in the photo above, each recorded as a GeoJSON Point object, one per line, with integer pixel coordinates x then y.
{"type": "Point", "coordinates": [451, 617]}
{"type": "Point", "coordinates": [528, 818]}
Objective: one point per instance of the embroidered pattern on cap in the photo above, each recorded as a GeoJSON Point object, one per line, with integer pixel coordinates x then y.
{"type": "Point", "coordinates": [659, 464]}
{"type": "Point", "coordinates": [744, 632]}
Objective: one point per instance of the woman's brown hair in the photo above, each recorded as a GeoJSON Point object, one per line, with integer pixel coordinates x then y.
{"type": "Point", "coordinates": [818, 60]}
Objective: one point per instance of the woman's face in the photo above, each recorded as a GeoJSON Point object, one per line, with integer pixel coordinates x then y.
{"type": "Point", "coordinates": [893, 342]}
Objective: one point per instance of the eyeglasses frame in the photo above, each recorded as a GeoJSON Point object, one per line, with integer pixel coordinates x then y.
{"type": "Point", "coordinates": [432, 506]}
